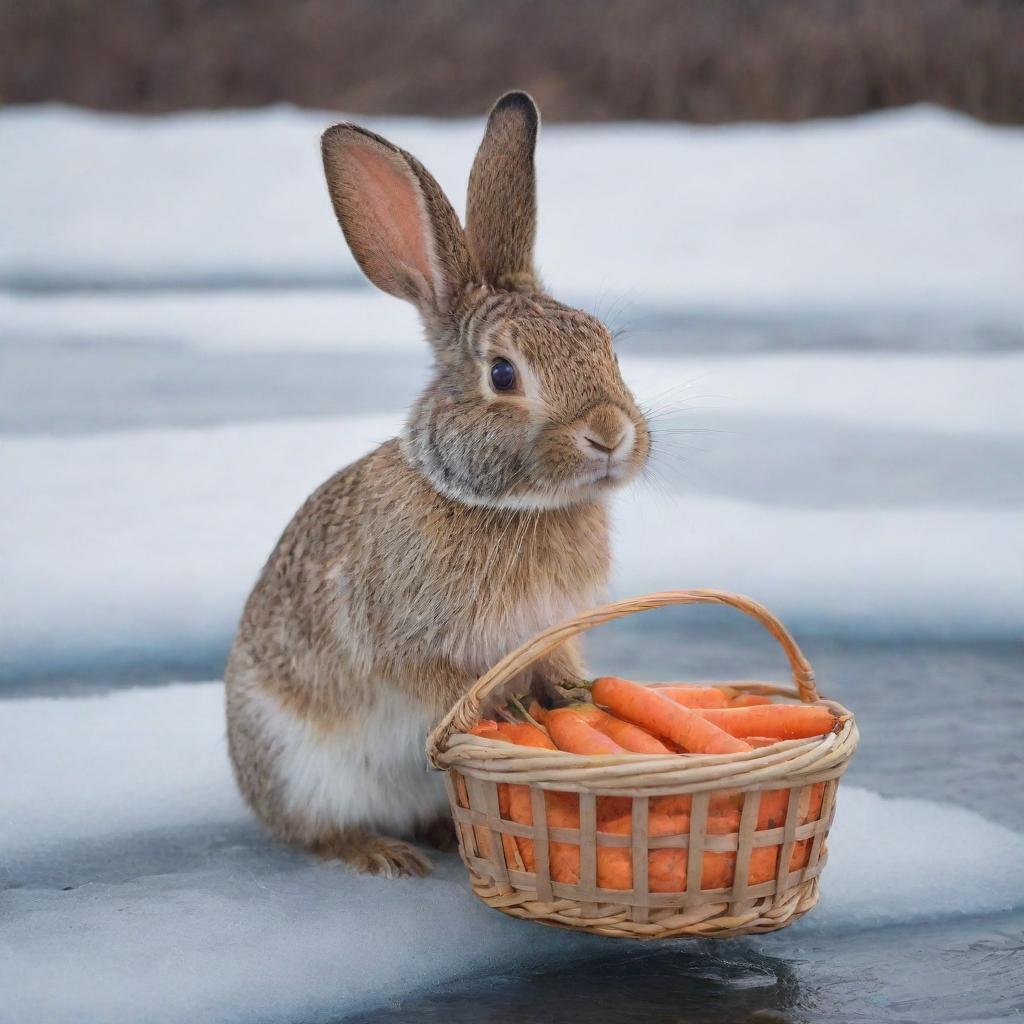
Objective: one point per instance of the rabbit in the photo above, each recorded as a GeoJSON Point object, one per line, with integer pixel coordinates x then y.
{"type": "Point", "coordinates": [409, 573]}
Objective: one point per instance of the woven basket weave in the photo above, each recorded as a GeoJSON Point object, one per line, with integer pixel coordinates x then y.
{"type": "Point", "coordinates": [475, 767]}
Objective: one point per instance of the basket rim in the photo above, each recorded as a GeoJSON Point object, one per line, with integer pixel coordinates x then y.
{"type": "Point", "coordinates": [652, 774]}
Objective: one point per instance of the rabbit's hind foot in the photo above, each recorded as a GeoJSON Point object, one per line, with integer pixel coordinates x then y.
{"type": "Point", "coordinates": [372, 854]}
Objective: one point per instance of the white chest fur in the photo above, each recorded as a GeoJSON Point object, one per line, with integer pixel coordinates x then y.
{"type": "Point", "coordinates": [371, 772]}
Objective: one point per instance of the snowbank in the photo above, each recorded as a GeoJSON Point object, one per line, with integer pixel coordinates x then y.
{"type": "Point", "coordinates": [140, 885]}
{"type": "Point", "coordinates": [906, 208]}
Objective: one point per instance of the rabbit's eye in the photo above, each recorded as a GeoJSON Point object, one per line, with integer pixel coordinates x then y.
{"type": "Point", "coordinates": [503, 375]}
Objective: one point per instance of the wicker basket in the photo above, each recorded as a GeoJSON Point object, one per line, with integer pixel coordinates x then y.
{"type": "Point", "coordinates": [475, 767]}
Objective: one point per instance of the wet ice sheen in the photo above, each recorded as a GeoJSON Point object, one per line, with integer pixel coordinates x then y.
{"type": "Point", "coordinates": [177, 908]}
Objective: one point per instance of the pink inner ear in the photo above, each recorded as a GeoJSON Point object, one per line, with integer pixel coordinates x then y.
{"type": "Point", "coordinates": [395, 225]}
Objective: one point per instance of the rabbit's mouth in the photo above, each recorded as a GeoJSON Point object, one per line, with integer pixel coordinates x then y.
{"type": "Point", "coordinates": [612, 475]}
{"type": "Point", "coordinates": [598, 480]}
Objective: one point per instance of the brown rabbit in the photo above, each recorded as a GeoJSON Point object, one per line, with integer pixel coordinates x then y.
{"type": "Point", "coordinates": [408, 574]}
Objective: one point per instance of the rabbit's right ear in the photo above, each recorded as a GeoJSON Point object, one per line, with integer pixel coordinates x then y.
{"type": "Point", "coordinates": [398, 223]}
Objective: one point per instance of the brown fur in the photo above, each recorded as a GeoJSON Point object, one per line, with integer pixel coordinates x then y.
{"type": "Point", "coordinates": [407, 574]}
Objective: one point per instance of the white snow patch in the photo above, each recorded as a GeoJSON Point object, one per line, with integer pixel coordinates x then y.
{"type": "Point", "coordinates": [915, 207]}
{"type": "Point", "coordinates": [903, 860]}
{"type": "Point", "coordinates": [243, 929]}
{"type": "Point", "coordinates": [100, 767]}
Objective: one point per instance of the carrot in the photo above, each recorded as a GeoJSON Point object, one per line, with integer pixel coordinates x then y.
{"type": "Point", "coordinates": [573, 730]}
{"type": "Point", "coordinates": [783, 721]}
{"type": "Point", "coordinates": [771, 812]}
{"type": "Point", "coordinates": [485, 727]}
{"type": "Point", "coordinates": [694, 696]}
{"type": "Point", "coordinates": [514, 801]}
{"type": "Point", "coordinates": [749, 700]}
{"type": "Point", "coordinates": [562, 811]}
{"type": "Point", "coordinates": [666, 868]}
{"type": "Point", "coordinates": [629, 737]}
{"type": "Point", "coordinates": [722, 803]}
{"type": "Point", "coordinates": [525, 735]}
{"type": "Point", "coordinates": [801, 855]}
{"type": "Point", "coordinates": [662, 716]}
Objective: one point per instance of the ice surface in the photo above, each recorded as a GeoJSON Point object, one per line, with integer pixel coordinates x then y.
{"type": "Point", "coordinates": [116, 545]}
{"type": "Point", "coordinates": [135, 885]}
{"type": "Point", "coordinates": [341, 320]}
{"type": "Point", "coordinates": [137, 889]}
{"type": "Point", "coordinates": [821, 213]}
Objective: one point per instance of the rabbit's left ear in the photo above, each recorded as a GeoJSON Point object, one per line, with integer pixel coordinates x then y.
{"type": "Point", "coordinates": [501, 207]}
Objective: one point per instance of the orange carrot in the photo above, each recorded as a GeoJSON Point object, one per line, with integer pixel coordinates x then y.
{"type": "Point", "coordinates": [694, 696]}
{"type": "Point", "coordinates": [514, 801]}
{"type": "Point", "coordinates": [783, 721]}
{"type": "Point", "coordinates": [651, 710]}
{"type": "Point", "coordinates": [771, 812]}
{"type": "Point", "coordinates": [485, 727]}
{"type": "Point", "coordinates": [722, 803]}
{"type": "Point", "coordinates": [801, 854]}
{"type": "Point", "coordinates": [571, 729]}
{"type": "Point", "coordinates": [525, 734]}
{"type": "Point", "coordinates": [629, 737]}
{"type": "Point", "coordinates": [666, 868]}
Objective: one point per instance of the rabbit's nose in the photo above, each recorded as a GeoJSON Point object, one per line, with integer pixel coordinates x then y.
{"type": "Point", "coordinates": [600, 446]}
{"type": "Point", "coordinates": [607, 434]}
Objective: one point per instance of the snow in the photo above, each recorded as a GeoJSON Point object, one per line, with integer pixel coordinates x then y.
{"type": "Point", "coordinates": [105, 767]}
{"type": "Point", "coordinates": [136, 878]}
{"type": "Point", "coordinates": [823, 213]}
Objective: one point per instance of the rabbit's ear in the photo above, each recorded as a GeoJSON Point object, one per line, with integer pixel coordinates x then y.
{"type": "Point", "coordinates": [398, 223]}
{"type": "Point", "coordinates": [501, 208]}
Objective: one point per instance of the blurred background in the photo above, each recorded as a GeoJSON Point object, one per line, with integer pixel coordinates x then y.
{"type": "Point", "coordinates": [804, 222]}
{"type": "Point", "coordinates": [597, 60]}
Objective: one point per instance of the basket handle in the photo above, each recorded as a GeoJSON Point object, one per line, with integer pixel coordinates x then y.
{"type": "Point", "coordinates": [466, 712]}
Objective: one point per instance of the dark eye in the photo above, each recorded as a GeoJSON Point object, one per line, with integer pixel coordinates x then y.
{"type": "Point", "coordinates": [503, 375]}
